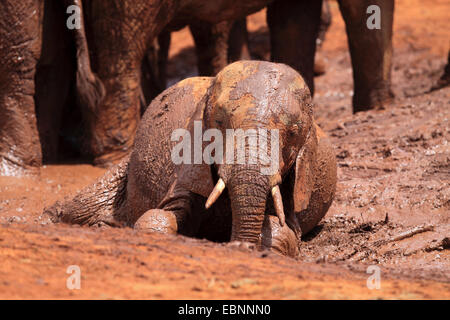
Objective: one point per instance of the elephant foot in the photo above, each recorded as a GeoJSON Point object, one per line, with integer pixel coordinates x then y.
{"type": "Point", "coordinates": [279, 239]}
{"type": "Point", "coordinates": [443, 82]}
{"type": "Point", "coordinates": [377, 100]}
{"type": "Point", "coordinates": [157, 220]}
{"type": "Point", "coordinates": [320, 65]}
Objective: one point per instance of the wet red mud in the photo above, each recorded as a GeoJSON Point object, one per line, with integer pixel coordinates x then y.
{"type": "Point", "coordinates": [392, 207]}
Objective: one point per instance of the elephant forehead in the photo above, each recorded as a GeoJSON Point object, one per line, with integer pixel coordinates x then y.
{"type": "Point", "coordinates": [228, 78]}
{"type": "Point", "coordinates": [297, 84]}
{"type": "Point", "coordinates": [261, 90]}
{"type": "Point", "coordinates": [197, 85]}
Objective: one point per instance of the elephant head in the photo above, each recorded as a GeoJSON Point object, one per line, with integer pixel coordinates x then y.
{"type": "Point", "coordinates": [269, 106]}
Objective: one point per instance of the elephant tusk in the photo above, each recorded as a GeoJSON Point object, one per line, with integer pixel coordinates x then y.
{"type": "Point", "coordinates": [278, 203]}
{"type": "Point", "coordinates": [218, 189]}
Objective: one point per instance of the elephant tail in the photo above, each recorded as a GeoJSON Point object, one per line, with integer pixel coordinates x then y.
{"type": "Point", "coordinates": [90, 88]}
{"type": "Point", "coordinates": [101, 203]}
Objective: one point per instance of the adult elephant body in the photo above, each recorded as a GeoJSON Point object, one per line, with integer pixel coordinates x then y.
{"type": "Point", "coordinates": [119, 34]}
{"type": "Point", "coordinates": [116, 35]}
{"type": "Point", "coordinates": [152, 192]}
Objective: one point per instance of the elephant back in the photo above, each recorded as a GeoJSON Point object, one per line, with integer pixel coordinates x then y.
{"type": "Point", "coordinates": [151, 169]}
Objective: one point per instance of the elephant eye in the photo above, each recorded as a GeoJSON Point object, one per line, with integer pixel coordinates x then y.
{"type": "Point", "coordinates": [295, 128]}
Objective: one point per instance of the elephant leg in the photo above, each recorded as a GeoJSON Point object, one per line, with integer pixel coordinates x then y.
{"type": "Point", "coordinates": [280, 239]}
{"type": "Point", "coordinates": [177, 213]}
{"type": "Point", "coordinates": [211, 44]}
{"type": "Point", "coordinates": [154, 69]}
{"type": "Point", "coordinates": [114, 123]}
{"type": "Point", "coordinates": [238, 41]}
{"type": "Point", "coordinates": [444, 80]}
{"type": "Point", "coordinates": [53, 79]}
{"type": "Point", "coordinates": [119, 36]}
{"type": "Point", "coordinates": [371, 52]}
{"type": "Point", "coordinates": [325, 22]}
{"type": "Point", "coordinates": [20, 49]}
{"type": "Point", "coordinates": [446, 76]}
{"type": "Point", "coordinates": [157, 220]}
{"type": "Point", "coordinates": [102, 203]}
{"type": "Point", "coordinates": [294, 26]}
{"type": "Point", "coordinates": [163, 57]}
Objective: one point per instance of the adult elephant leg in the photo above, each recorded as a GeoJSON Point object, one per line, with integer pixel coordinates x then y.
{"type": "Point", "coordinates": [114, 121]}
{"type": "Point", "coordinates": [54, 76]}
{"type": "Point", "coordinates": [444, 80]}
{"type": "Point", "coordinates": [325, 22]}
{"type": "Point", "coordinates": [238, 41]}
{"type": "Point", "coordinates": [154, 69]}
{"type": "Point", "coordinates": [20, 49]}
{"type": "Point", "coordinates": [119, 36]}
{"type": "Point", "coordinates": [294, 27]}
{"type": "Point", "coordinates": [164, 39]}
{"type": "Point", "coordinates": [211, 44]}
{"type": "Point", "coordinates": [371, 52]}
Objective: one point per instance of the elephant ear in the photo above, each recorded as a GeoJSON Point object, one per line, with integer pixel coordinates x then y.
{"type": "Point", "coordinates": [194, 178]}
{"type": "Point", "coordinates": [304, 171]}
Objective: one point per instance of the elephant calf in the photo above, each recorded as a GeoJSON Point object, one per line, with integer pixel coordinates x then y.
{"type": "Point", "coordinates": [214, 197]}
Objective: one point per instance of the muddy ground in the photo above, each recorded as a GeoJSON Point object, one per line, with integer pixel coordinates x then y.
{"type": "Point", "coordinates": [392, 207]}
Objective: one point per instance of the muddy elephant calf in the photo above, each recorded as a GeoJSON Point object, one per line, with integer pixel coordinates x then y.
{"type": "Point", "coordinates": [188, 172]}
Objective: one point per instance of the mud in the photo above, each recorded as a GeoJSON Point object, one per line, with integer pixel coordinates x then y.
{"type": "Point", "coordinates": [392, 205]}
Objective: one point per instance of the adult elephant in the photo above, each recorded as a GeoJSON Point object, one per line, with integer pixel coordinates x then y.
{"type": "Point", "coordinates": [114, 39]}
{"type": "Point", "coordinates": [269, 202]}
{"type": "Point", "coordinates": [294, 27]}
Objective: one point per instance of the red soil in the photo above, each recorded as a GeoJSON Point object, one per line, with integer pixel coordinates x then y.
{"type": "Point", "coordinates": [394, 173]}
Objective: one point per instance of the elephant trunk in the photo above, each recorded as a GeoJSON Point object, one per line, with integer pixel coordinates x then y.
{"type": "Point", "coordinates": [248, 190]}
